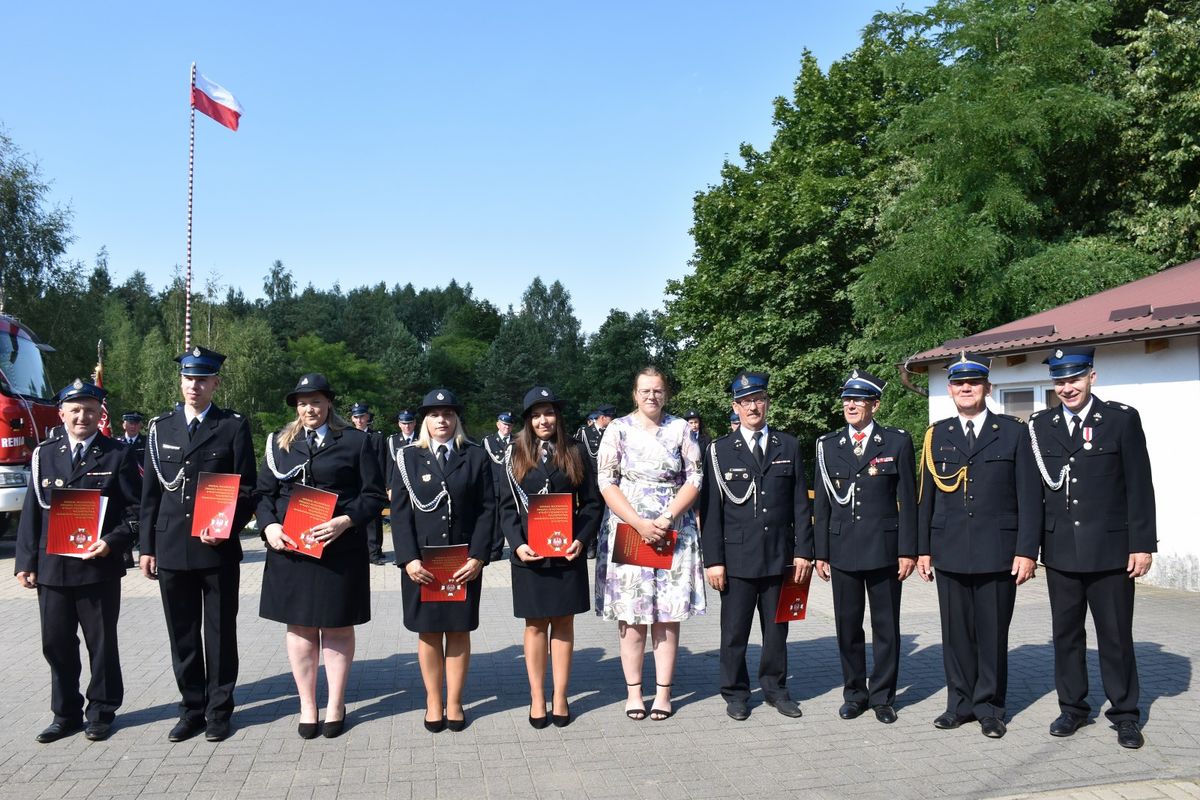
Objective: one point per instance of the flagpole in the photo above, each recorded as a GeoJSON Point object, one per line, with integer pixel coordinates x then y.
{"type": "Point", "coordinates": [187, 282]}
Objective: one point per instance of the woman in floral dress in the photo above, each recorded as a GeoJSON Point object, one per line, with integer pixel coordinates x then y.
{"type": "Point", "coordinates": [648, 468]}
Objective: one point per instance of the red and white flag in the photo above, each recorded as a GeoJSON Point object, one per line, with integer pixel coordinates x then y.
{"type": "Point", "coordinates": [216, 101]}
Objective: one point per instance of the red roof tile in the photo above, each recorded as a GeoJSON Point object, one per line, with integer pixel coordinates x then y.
{"type": "Point", "coordinates": [1166, 303]}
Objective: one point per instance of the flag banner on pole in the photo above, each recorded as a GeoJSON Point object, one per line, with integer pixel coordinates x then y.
{"type": "Point", "coordinates": [98, 379]}
{"type": "Point", "coordinates": [215, 101]}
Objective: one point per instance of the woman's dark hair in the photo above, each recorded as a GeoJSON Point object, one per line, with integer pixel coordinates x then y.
{"type": "Point", "coordinates": [566, 457]}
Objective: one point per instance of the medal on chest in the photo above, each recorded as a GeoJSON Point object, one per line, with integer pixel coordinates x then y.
{"type": "Point", "coordinates": [1087, 437]}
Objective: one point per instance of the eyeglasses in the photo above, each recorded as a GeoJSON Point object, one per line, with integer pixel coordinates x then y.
{"type": "Point", "coordinates": [856, 401]}
{"type": "Point", "coordinates": [650, 392]}
{"type": "Point", "coordinates": [747, 402]}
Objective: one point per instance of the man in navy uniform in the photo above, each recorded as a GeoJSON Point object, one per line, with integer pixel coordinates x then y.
{"type": "Point", "coordinates": [496, 445]}
{"type": "Point", "coordinates": [757, 526]}
{"type": "Point", "coordinates": [197, 576]}
{"type": "Point", "coordinates": [979, 519]}
{"type": "Point", "coordinates": [1100, 534]}
{"type": "Point", "coordinates": [362, 417]}
{"type": "Point", "coordinates": [131, 433]}
{"type": "Point", "coordinates": [866, 541]}
{"type": "Point", "coordinates": [79, 593]}
{"type": "Point", "coordinates": [734, 421]}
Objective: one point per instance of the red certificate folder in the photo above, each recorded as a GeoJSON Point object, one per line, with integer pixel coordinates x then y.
{"type": "Point", "coordinates": [307, 507]}
{"type": "Point", "coordinates": [75, 519]}
{"type": "Point", "coordinates": [216, 502]}
{"type": "Point", "coordinates": [551, 530]}
{"type": "Point", "coordinates": [443, 562]}
{"type": "Point", "coordinates": [629, 548]}
{"type": "Point", "coordinates": [793, 599]}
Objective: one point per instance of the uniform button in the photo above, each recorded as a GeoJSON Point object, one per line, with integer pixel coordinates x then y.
{"type": "Point", "coordinates": [970, 480]}
{"type": "Point", "coordinates": [1074, 480]}
{"type": "Point", "coordinates": [1076, 523]}
{"type": "Point", "coordinates": [187, 515]}
{"type": "Point", "coordinates": [444, 535]}
{"type": "Point", "coordinates": [188, 462]}
{"type": "Point", "coordinates": [970, 463]}
{"type": "Point", "coordinates": [1072, 459]}
{"type": "Point", "coordinates": [970, 513]}
{"type": "Point", "coordinates": [970, 497]}
{"type": "Point", "coordinates": [764, 491]}
{"type": "Point", "coordinates": [1075, 502]}
{"type": "Point", "coordinates": [858, 517]}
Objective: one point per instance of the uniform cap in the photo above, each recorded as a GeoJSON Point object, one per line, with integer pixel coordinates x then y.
{"type": "Point", "coordinates": [133, 416]}
{"type": "Point", "coordinates": [360, 408]}
{"type": "Point", "coordinates": [439, 398]}
{"type": "Point", "coordinates": [538, 395]}
{"type": "Point", "coordinates": [861, 383]}
{"type": "Point", "coordinates": [969, 366]}
{"type": "Point", "coordinates": [312, 382]}
{"type": "Point", "coordinates": [406, 416]}
{"type": "Point", "coordinates": [79, 390]}
{"type": "Point", "coordinates": [506, 417]}
{"type": "Point", "coordinates": [200, 362]}
{"type": "Point", "coordinates": [747, 383]}
{"type": "Point", "coordinates": [1069, 362]}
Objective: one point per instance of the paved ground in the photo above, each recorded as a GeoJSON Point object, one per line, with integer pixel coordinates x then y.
{"type": "Point", "coordinates": [699, 753]}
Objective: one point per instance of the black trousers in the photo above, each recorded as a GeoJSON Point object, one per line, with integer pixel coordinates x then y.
{"type": "Point", "coordinates": [94, 608]}
{"type": "Point", "coordinates": [850, 592]}
{"type": "Point", "coordinates": [1110, 597]}
{"type": "Point", "coordinates": [201, 607]}
{"type": "Point", "coordinates": [976, 610]}
{"type": "Point", "coordinates": [742, 596]}
{"type": "Point", "coordinates": [374, 530]}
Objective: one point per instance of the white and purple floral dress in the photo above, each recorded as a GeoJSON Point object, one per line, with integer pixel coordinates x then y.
{"type": "Point", "coordinates": [650, 467]}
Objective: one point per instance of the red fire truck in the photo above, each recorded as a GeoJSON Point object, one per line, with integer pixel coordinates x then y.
{"type": "Point", "coordinates": [27, 410]}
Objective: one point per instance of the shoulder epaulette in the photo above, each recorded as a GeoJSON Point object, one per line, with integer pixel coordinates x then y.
{"type": "Point", "coordinates": [1038, 413]}
{"type": "Point", "coordinates": [1009, 417]}
{"type": "Point", "coordinates": [893, 430]}
{"type": "Point", "coordinates": [162, 416]}
{"type": "Point", "coordinates": [472, 443]}
{"type": "Point", "coordinates": [829, 435]}
{"type": "Point", "coordinates": [1118, 406]}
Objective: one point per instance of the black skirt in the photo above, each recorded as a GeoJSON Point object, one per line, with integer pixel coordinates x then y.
{"type": "Point", "coordinates": [330, 592]}
{"type": "Point", "coordinates": [440, 617]}
{"type": "Point", "coordinates": [556, 588]}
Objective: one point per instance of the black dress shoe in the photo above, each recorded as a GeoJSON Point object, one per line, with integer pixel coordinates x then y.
{"type": "Point", "coordinates": [58, 730]}
{"type": "Point", "coordinates": [1066, 724]}
{"type": "Point", "coordinates": [457, 725]}
{"type": "Point", "coordinates": [737, 709]}
{"type": "Point", "coordinates": [788, 707]}
{"type": "Point", "coordinates": [217, 730]}
{"type": "Point", "coordinates": [97, 731]}
{"type": "Point", "coordinates": [334, 727]}
{"type": "Point", "coordinates": [948, 721]}
{"type": "Point", "coordinates": [993, 727]}
{"type": "Point", "coordinates": [437, 726]}
{"type": "Point", "coordinates": [851, 710]}
{"type": "Point", "coordinates": [561, 720]}
{"type": "Point", "coordinates": [185, 729]}
{"type": "Point", "coordinates": [308, 730]}
{"type": "Point", "coordinates": [1128, 735]}
{"type": "Point", "coordinates": [885, 714]}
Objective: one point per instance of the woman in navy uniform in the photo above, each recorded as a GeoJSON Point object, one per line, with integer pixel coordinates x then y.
{"type": "Point", "coordinates": [1100, 534]}
{"type": "Point", "coordinates": [320, 600]}
{"type": "Point", "coordinates": [442, 495]}
{"type": "Point", "coordinates": [866, 541]}
{"type": "Point", "coordinates": [979, 519]}
{"type": "Point", "coordinates": [79, 593]}
{"type": "Point", "coordinates": [548, 591]}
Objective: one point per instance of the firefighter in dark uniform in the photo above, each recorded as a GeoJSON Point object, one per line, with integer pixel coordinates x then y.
{"type": "Point", "coordinates": [132, 436]}
{"type": "Point", "coordinates": [1100, 534]}
{"type": "Point", "coordinates": [406, 421]}
{"type": "Point", "coordinates": [866, 541]}
{"type": "Point", "coordinates": [496, 446]}
{"type": "Point", "coordinates": [362, 417]}
{"type": "Point", "coordinates": [79, 593]}
{"type": "Point", "coordinates": [198, 576]}
{"type": "Point", "coordinates": [979, 518]}
{"type": "Point", "coordinates": [591, 436]}
{"type": "Point", "coordinates": [757, 526]}
{"type": "Point", "coordinates": [697, 425]}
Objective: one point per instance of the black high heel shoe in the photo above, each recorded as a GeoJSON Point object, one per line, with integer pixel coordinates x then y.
{"type": "Point", "coordinates": [538, 722]}
{"type": "Point", "coordinates": [437, 726]}
{"type": "Point", "coordinates": [636, 714]}
{"type": "Point", "coordinates": [562, 721]}
{"type": "Point", "coordinates": [308, 730]}
{"type": "Point", "coordinates": [456, 725]}
{"type": "Point", "coordinates": [659, 714]}
{"type": "Point", "coordinates": [334, 728]}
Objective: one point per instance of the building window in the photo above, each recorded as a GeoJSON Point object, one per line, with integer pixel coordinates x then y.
{"type": "Point", "coordinates": [1022, 401]}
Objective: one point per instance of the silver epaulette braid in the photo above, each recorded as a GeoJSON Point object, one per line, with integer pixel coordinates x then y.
{"type": "Point", "coordinates": [724, 487]}
{"type": "Point", "coordinates": [283, 476]}
{"type": "Point", "coordinates": [1063, 474]}
{"type": "Point", "coordinates": [841, 500]}
{"type": "Point", "coordinates": [152, 443]}
{"type": "Point", "coordinates": [424, 508]}
{"type": "Point", "coordinates": [517, 492]}
{"type": "Point", "coordinates": [36, 467]}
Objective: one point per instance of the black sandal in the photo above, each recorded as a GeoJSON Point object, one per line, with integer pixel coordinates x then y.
{"type": "Point", "coordinates": [659, 714]}
{"type": "Point", "coordinates": [636, 714]}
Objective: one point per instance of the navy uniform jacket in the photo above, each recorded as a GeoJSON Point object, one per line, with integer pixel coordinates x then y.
{"type": "Point", "coordinates": [589, 508]}
{"type": "Point", "coordinates": [1110, 513]}
{"type": "Point", "coordinates": [760, 537]}
{"type": "Point", "coordinates": [394, 442]}
{"type": "Point", "coordinates": [996, 514]}
{"type": "Point", "coordinates": [106, 465]}
{"type": "Point", "coordinates": [880, 523]}
{"type": "Point", "coordinates": [590, 436]}
{"type": "Point", "coordinates": [346, 463]}
{"type": "Point", "coordinates": [470, 516]}
{"type": "Point", "coordinates": [495, 448]}
{"type": "Point", "coordinates": [138, 445]}
{"type": "Point", "coordinates": [222, 444]}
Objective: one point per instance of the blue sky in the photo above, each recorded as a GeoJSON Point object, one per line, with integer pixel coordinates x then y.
{"type": "Point", "coordinates": [490, 142]}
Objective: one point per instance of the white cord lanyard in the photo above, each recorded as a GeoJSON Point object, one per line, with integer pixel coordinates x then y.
{"type": "Point", "coordinates": [299, 469]}
{"type": "Point", "coordinates": [431, 506]}
{"type": "Point", "coordinates": [37, 484]}
{"type": "Point", "coordinates": [841, 500]}
{"type": "Point", "coordinates": [1063, 474]}
{"type": "Point", "coordinates": [587, 445]}
{"type": "Point", "coordinates": [491, 455]}
{"type": "Point", "coordinates": [517, 492]}
{"type": "Point", "coordinates": [180, 479]}
{"type": "Point", "coordinates": [724, 487]}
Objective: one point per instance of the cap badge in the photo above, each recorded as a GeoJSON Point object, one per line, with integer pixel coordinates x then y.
{"type": "Point", "coordinates": [78, 384]}
{"type": "Point", "coordinates": [304, 382]}
{"type": "Point", "coordinates": [441, 396]}
{"type": "Point", "coordinates": [196, 352]}
{"type": "Point", "coordinates": [745, 381]}
{"type": "Point", "coordinates": [854, 375]}
{"type": "Point", "coordinates": [545, 393]}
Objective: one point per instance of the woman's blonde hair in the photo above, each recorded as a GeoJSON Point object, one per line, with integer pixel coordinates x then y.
{"type": "Point", "coordinates": [459, 437]}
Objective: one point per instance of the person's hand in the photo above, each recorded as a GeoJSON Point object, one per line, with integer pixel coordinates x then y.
{"type": "Point", "coordinates": [526, 554]}
{"type": "Point", "coordinates": [663, 523]}
{"type": "Point", "coordinates": [328, 531]}
{"type": "Point", "coordinates": [211, 541]}
{"type": "Point", "coordinates": [651, 534]}
{"type": "Point", "coordinates": [27, 580]}
{"type": "Point", "coordinates": [906, 567]}
{"type": "Point", "coordinates": [418, 573]}
{"type": "Point", "coordinates": [1139, 564]}
{"type": "Point", "coordinates": [97, 549]}
{"type": "Point", "coordinates": [468, 571]}
{"type": "Point", "coordinates": [574, 550]}
{"type": "Point", "coordinates": [149, 567]}
{"type": "Point", "coordinates": [801, 569]}
{"type": "Point", "coordinates": [276, 538]}
{"type": "Point", "coordinates": [1023, 569]}
{"type": "Point", "coordinates": [822, 568]}
{"type": "Point", "coordinates": [716, 577]}
{"type": "Point", "coordinates": [925, 568]}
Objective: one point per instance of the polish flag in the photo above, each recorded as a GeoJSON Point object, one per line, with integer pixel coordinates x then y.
{"type": "Point", "coordinates": [216, 101]}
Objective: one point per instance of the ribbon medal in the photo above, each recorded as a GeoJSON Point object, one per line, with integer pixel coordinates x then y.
{"type": "Point", "coordinates": [1087, 437]}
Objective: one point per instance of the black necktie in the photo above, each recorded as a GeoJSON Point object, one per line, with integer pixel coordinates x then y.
{"type": "Point", "coordinates": [547, 451]}
{"type": "Point", "coordinates": [77, 456]}
{"type": "Point", "coordinates": [192, 427]}
{"type": "Point", "coordinates": [759, 454]}
{"type": "Point", "coordinates": [970, 434]}
{"type": "Point", "coordinates": [442, 455]}
{"type": "Point", "coordinates": [311, 436]}
{"type": "Point", "coordinates": [1076, 426]}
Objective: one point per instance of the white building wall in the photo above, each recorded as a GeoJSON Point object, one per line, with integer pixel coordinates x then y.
{"type": "Point", "coordinates": [1165, 389]}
